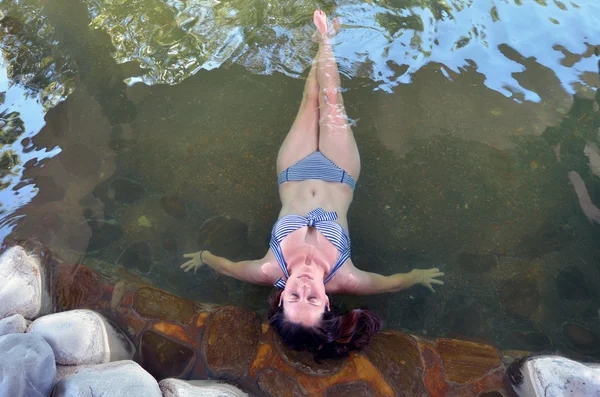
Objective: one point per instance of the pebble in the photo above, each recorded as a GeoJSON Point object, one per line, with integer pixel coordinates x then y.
{"type": "Point", "coordinates": [82, 337]}
{"type": "Point", "coordinates": [15, 324]}
{"type": "Point", "coordinates": [171, 387]}
{"type": "Point", "coordinates": [27, 366]}
{"type": "Point", "coordinates": [20, 284]}
{"type": "Point", "coordinates": [117, 379]}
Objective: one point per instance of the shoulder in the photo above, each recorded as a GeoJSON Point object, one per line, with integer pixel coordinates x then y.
{"type": "Point", "coordinates": [345, 280]}
{"type": "Point", "coordinates": [270, 269]}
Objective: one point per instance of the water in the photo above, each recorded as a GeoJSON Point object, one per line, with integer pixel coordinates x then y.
{"type": "Point", "coordinates": [133, 132]}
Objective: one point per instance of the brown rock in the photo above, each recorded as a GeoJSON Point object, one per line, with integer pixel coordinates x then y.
{"type": "Point", "coordinates": [164, 358]}
{"type": "Point", "coordinates": [137, 256]}
{"type": "Point", "coordinates": [77, 286]}
{"type": "Point", "coordinates": [224, 237]}
{"type": "Point", "coordinates": [230, 353]}
{"type": "Point", "coordinates": [520, 296]}
{"type": "Point", "coordinates": [548, 238]}
{"type": "Point", "coordinates": [304, 361]}
{"type": "Point", "coordinates": [125, 190]}
{"type": "Point", "coordinates": [80, 160]}
{"type": "Point", "coordinates": [155, 304]}
{"type": "Point", "coordinates": [173, 206]}
{"type": "Point", "coordinates": [398, 359]}
{"type": "Point", "coordinates": [581, 338]}
{"type": "Point", "coordinates": [465, 362]}
{"type": "Point", "coordinates": [276, 384]}
{"type": "Point", "coordinates": [354, 389]}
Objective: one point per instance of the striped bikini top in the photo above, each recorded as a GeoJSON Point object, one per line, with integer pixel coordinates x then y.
{"type": "Point", "coordinates": [319, 219]}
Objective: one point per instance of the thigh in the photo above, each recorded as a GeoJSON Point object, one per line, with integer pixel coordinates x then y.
{"type": "Point", "coordinates": [336, 139]}
{"type": "Point", "coordinates": [302, 139]}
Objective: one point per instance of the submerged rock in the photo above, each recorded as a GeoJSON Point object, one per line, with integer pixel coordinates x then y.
{"type": "Point", "coordinates": [82, 337]}
{"type": "Point", "coordinates": [125, 190]}
{"type": "Point", "coordinates": [137, 256]}
{"type": "Point", "coordinates": [27, 366]}
{"type": "Point", "coordinates": [571, 285]}
{"type": "Point", "coordinates": [15, 324]}
{"type": "Point", "coordinates": [117, 379]}
{"type": "Point", "coordinates": [20, 284]}
{"type": "Point", "coordinates": [198, 388]}
{"type": "Point", "coordinates": [174, 206]}
{"type": "Point", "coordinates": [553, 376]}
{"type": "Point", "coordinates": [581, 338]}
{"type": "Point", "coordinates": [224, 237]}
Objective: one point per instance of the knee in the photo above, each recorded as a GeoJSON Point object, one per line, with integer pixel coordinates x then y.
{"type": "Point", "coordinates": [332, 96]}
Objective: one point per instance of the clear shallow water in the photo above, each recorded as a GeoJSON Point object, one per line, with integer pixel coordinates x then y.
{"type": "Point", "coordinates": [127, 127]}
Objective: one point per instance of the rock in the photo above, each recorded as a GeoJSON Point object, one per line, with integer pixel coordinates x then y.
{"type": "Point", "coordinates": [464, 318]}
{"type": "Point", "coordinates": [143, 221]}
{"type": "Point", "coordinates": [527, 340]}
{"type": "Point", "coordinates": [553, 376]}
{"type": "Point", "coordinates": [125, 190]}
{"type": "Point", "coordinates": [230, 353]}
{"type": "Point", "coordinates": [173, 206]}
{"type": "Point", "coordinates": [117, 379]}
{"type": "Point", "coordinates": [15, 324]}
{"type": "Point", "coordinates": [581, 338]}
{"type": "Point", "coordinates": [49, 190]}
{"type": "Point", "coordinates": [548, 238]}
{"type": "Point", "coordinates": [520, 296]}
{"type": "Point", "coordinates": [27, 366]}
{"type": "Point", "coordinates": [571, 285]}
{"type": "Point", "coordinates": [224, 237]}
{"type": "Point", "coordinates": [465, 362]}
{"type": "Point", "coordinates": [198, 388]}
{"type": "Point", "coordinates": [82, 337]}
{"type": "Point", "coordinates": [163, 357]}
{"type": "Point", "coordinates": [137, 256]}
{"type": "Point", "coordinates": [80, 160]}
{"type": "Point", "coordinates": [398, 359]}
{"type": "Point", "coordinates": [103, 234]}
{"type": "Point", "coordinates": [354, 389]}
{"type": "Point", "coordinates": [20, 284]}
{"type": "Point", "coordinates": [76, 286]}
{"type": "Point", "coordinates": [277, 384]}
{"type": "Point", "coordinates": [155, 304]}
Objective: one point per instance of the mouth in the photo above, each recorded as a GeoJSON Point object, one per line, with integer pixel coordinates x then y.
{"type": "Point", "coordinates": [305, 277]}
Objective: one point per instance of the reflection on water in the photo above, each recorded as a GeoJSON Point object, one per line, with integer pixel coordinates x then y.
{"type": "Point", "coordinates": [133, 132]}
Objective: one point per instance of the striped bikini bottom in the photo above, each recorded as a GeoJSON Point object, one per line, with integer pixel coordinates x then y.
{"type": "Point", "coordinates": [316, 166]}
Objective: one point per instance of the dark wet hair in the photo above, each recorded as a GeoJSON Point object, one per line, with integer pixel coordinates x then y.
{"type": "Point", "coordinates": [335, 336]}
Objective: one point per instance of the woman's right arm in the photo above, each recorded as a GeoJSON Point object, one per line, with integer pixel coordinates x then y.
{"type": "Point", "coordinates": [250, 271]}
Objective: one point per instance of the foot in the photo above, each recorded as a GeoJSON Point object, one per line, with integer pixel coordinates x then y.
{"type": "Point", "coordinates": [324, 32]}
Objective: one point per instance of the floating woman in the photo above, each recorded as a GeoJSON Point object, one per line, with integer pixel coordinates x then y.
{"type": "Point", "coordinates": [309, 256]}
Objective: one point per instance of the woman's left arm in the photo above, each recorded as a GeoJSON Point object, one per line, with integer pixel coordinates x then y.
{"type": "Point", "coordinates": [367, 283]}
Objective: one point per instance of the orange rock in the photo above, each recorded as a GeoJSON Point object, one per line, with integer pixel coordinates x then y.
{"type": "Point", "coordinates": [465, 362]}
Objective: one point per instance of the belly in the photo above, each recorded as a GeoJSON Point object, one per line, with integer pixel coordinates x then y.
{"type": "Point", "coordinates": [300, 197]}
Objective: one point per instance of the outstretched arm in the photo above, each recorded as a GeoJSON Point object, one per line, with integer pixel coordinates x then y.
{"type": "Point", "coordinates": [367, 283]}
{"type": "Point", "coordinates": [250, 271]}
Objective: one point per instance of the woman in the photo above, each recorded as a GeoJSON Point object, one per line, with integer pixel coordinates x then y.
{"type": "Point", "coordinates": [309, 256]}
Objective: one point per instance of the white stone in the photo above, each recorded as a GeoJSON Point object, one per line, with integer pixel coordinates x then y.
{"type": "Point", "coordinates": [116, 379]}
{"type": "Point", "coordinates": [20, 284]}
{"type": "Point", "coordinates": [553, 376]}
{"type": "Point", "coordinates": [171, 387]}
{"type": "Point", "coordinates": [82, 337]}
{"type": "Point", "coordinates": [15, 324]}
{"type": "Point", "coordinates": [27, 366]}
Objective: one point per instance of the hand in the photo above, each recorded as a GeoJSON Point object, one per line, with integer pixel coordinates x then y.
{"type": "Point", "coordinates": [427, 277]}
{"type": "Point", "coordinates": [194, 263]}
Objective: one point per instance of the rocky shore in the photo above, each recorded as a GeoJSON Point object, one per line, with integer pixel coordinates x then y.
{"type": "Point", "coordinates": [67, 330]}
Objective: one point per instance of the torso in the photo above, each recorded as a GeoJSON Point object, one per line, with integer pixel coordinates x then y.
{"type": "Point", "coordinates": [300, 197]}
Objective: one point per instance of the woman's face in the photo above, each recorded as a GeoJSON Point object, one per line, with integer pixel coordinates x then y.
{"type": "Point", "coordinates": [304, 299]}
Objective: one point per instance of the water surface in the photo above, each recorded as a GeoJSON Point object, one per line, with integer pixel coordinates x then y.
{"type": "Point", "coordinates": [133, 132]}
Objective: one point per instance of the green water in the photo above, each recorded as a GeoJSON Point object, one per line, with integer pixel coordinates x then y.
{"type": "Point", "coordinates": [136, 131]}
